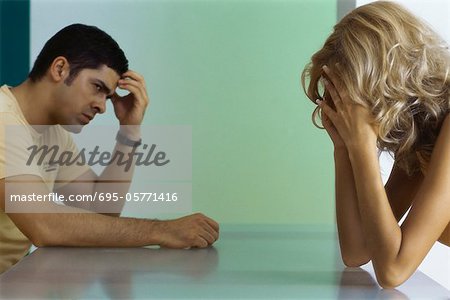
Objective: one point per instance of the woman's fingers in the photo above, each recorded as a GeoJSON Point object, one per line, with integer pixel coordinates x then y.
{"type": "Point", "coordinates": [329, 112]}
{"type": "Point", "coordinates": [334, 94]}
{"type": "Point", "coordinates": [332, 76]}
{"type": "Point", "coordinates": [336, 83]}
{"type": "Point", "coordinates": [325, 120]}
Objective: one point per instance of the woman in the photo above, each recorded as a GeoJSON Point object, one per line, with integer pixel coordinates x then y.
{"type": "Point", "coordinates": [385, 78]}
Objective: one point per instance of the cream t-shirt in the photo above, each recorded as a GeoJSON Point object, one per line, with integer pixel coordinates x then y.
{"type": "Point", "coordinates": [16, 135]}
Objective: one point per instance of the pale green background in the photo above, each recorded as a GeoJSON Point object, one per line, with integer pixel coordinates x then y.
{"type": "Point", "coordinates": [231, 69]}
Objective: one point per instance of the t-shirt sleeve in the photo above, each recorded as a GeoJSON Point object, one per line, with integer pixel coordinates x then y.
{"type": "Point", "coordinates": [15, 142]}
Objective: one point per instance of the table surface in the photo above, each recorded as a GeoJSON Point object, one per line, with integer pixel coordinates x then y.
{"type": "Point", "coordinates": [249, 261]}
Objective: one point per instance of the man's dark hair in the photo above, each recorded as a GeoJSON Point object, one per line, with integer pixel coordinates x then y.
{"type": "Point", "coordinates": [84, 47]}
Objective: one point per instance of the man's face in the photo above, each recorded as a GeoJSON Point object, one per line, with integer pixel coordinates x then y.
{"type": "Point", "coordinates": [77, 103]}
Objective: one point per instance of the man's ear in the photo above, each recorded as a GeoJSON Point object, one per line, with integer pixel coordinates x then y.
{"type": "Point", "coordinates": [59, 69]}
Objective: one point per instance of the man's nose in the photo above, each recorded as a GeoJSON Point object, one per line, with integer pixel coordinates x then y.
{"type": "Point", "coordinates": [100, 105]}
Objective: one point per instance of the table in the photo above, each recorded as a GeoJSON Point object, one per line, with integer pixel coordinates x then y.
{"type": "Point", "coordinates": [249, 261]}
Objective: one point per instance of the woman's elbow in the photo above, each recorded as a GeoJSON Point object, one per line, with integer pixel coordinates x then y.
{"type": "Point", "coordinates": [355, 261]}
{"type": "Point", "coordinates": [390, 277]}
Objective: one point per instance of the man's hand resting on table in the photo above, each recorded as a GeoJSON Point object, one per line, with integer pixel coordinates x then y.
{"type": "Point", "coordinates": [195, 230]}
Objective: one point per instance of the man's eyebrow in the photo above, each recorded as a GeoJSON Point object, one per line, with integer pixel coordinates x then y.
{"type": "Point", "coordinates": [105, 88]}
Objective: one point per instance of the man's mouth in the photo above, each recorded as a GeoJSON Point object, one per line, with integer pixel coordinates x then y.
{"type": "Point", "coordinates": [86, 118]}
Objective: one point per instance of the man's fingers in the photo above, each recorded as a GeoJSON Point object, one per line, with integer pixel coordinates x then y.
{"type": "Point", "coordinates": [130, 82]}
{"type": "Point", "coordinates": [212, 223]}
{"type": "Point", "coordinates": [136, 89]}
{"type": "Point", "coordinates": [200, 242]}
{"type": "Point", "coordinates": [213, 232]}
{"type": "Point", "coordinates": [133, 75]}
{"type": "Point", "coordinates": [201, 230]}
{"type": "Point", "coordinates": [207, 236]}
{"type": "Point", "coordinates": [208, 224]}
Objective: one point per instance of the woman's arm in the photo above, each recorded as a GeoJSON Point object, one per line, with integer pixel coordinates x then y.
{"type": "Point", "coordinates": [351, 238]}
{"type": "Point", "coordinates": [400, 189]}
{"type": "Point", "coordinates": [396, 252]}
{"type": "Point", "coordinates": [352, 241]}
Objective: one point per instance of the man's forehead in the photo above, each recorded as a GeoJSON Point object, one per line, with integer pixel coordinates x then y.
{"type": "Point", "coordinates": [105, 74]}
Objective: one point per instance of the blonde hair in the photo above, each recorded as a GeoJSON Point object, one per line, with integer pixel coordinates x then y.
{"type": "Point", "coordinates": [395, 65]}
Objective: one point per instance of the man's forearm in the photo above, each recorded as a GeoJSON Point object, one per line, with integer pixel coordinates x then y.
{"type": "Point", "coordinates": [82, 228]}
{"type": "Point", "coordinates": [351, 237]}
{"type": "Point", "coordinates": [116, 179]}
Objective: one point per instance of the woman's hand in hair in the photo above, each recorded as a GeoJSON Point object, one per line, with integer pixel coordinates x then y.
{"type": "Point", "coordinates": [338, 142]}
{"type": "Point", "coordinates": [352, 121]}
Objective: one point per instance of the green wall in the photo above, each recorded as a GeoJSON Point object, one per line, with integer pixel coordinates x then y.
{"type": "Point", "coordinates": [231, 69]}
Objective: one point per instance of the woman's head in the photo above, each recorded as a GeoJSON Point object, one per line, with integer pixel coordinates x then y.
{"type": "Point", "coordinates": [395, 65]}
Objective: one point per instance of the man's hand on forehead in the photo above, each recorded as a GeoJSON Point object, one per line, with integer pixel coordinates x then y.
{"type": "Point", "coordinates": [130, 108]}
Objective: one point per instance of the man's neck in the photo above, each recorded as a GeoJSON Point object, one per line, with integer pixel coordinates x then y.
{"type": "Point", "coordinates": [34, 101]}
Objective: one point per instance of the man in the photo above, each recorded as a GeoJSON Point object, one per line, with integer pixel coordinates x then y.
{"type": "Point", "coordinates": [78, 69]}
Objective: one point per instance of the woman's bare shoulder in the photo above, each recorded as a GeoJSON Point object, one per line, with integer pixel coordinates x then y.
{"type": "Point", "coordinates": [446, 122]}
{"type": "Point", "coordinates": [442, 146]}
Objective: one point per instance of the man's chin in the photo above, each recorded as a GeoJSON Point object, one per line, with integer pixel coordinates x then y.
{"type": "Point", "coordinates": [73, 128]}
